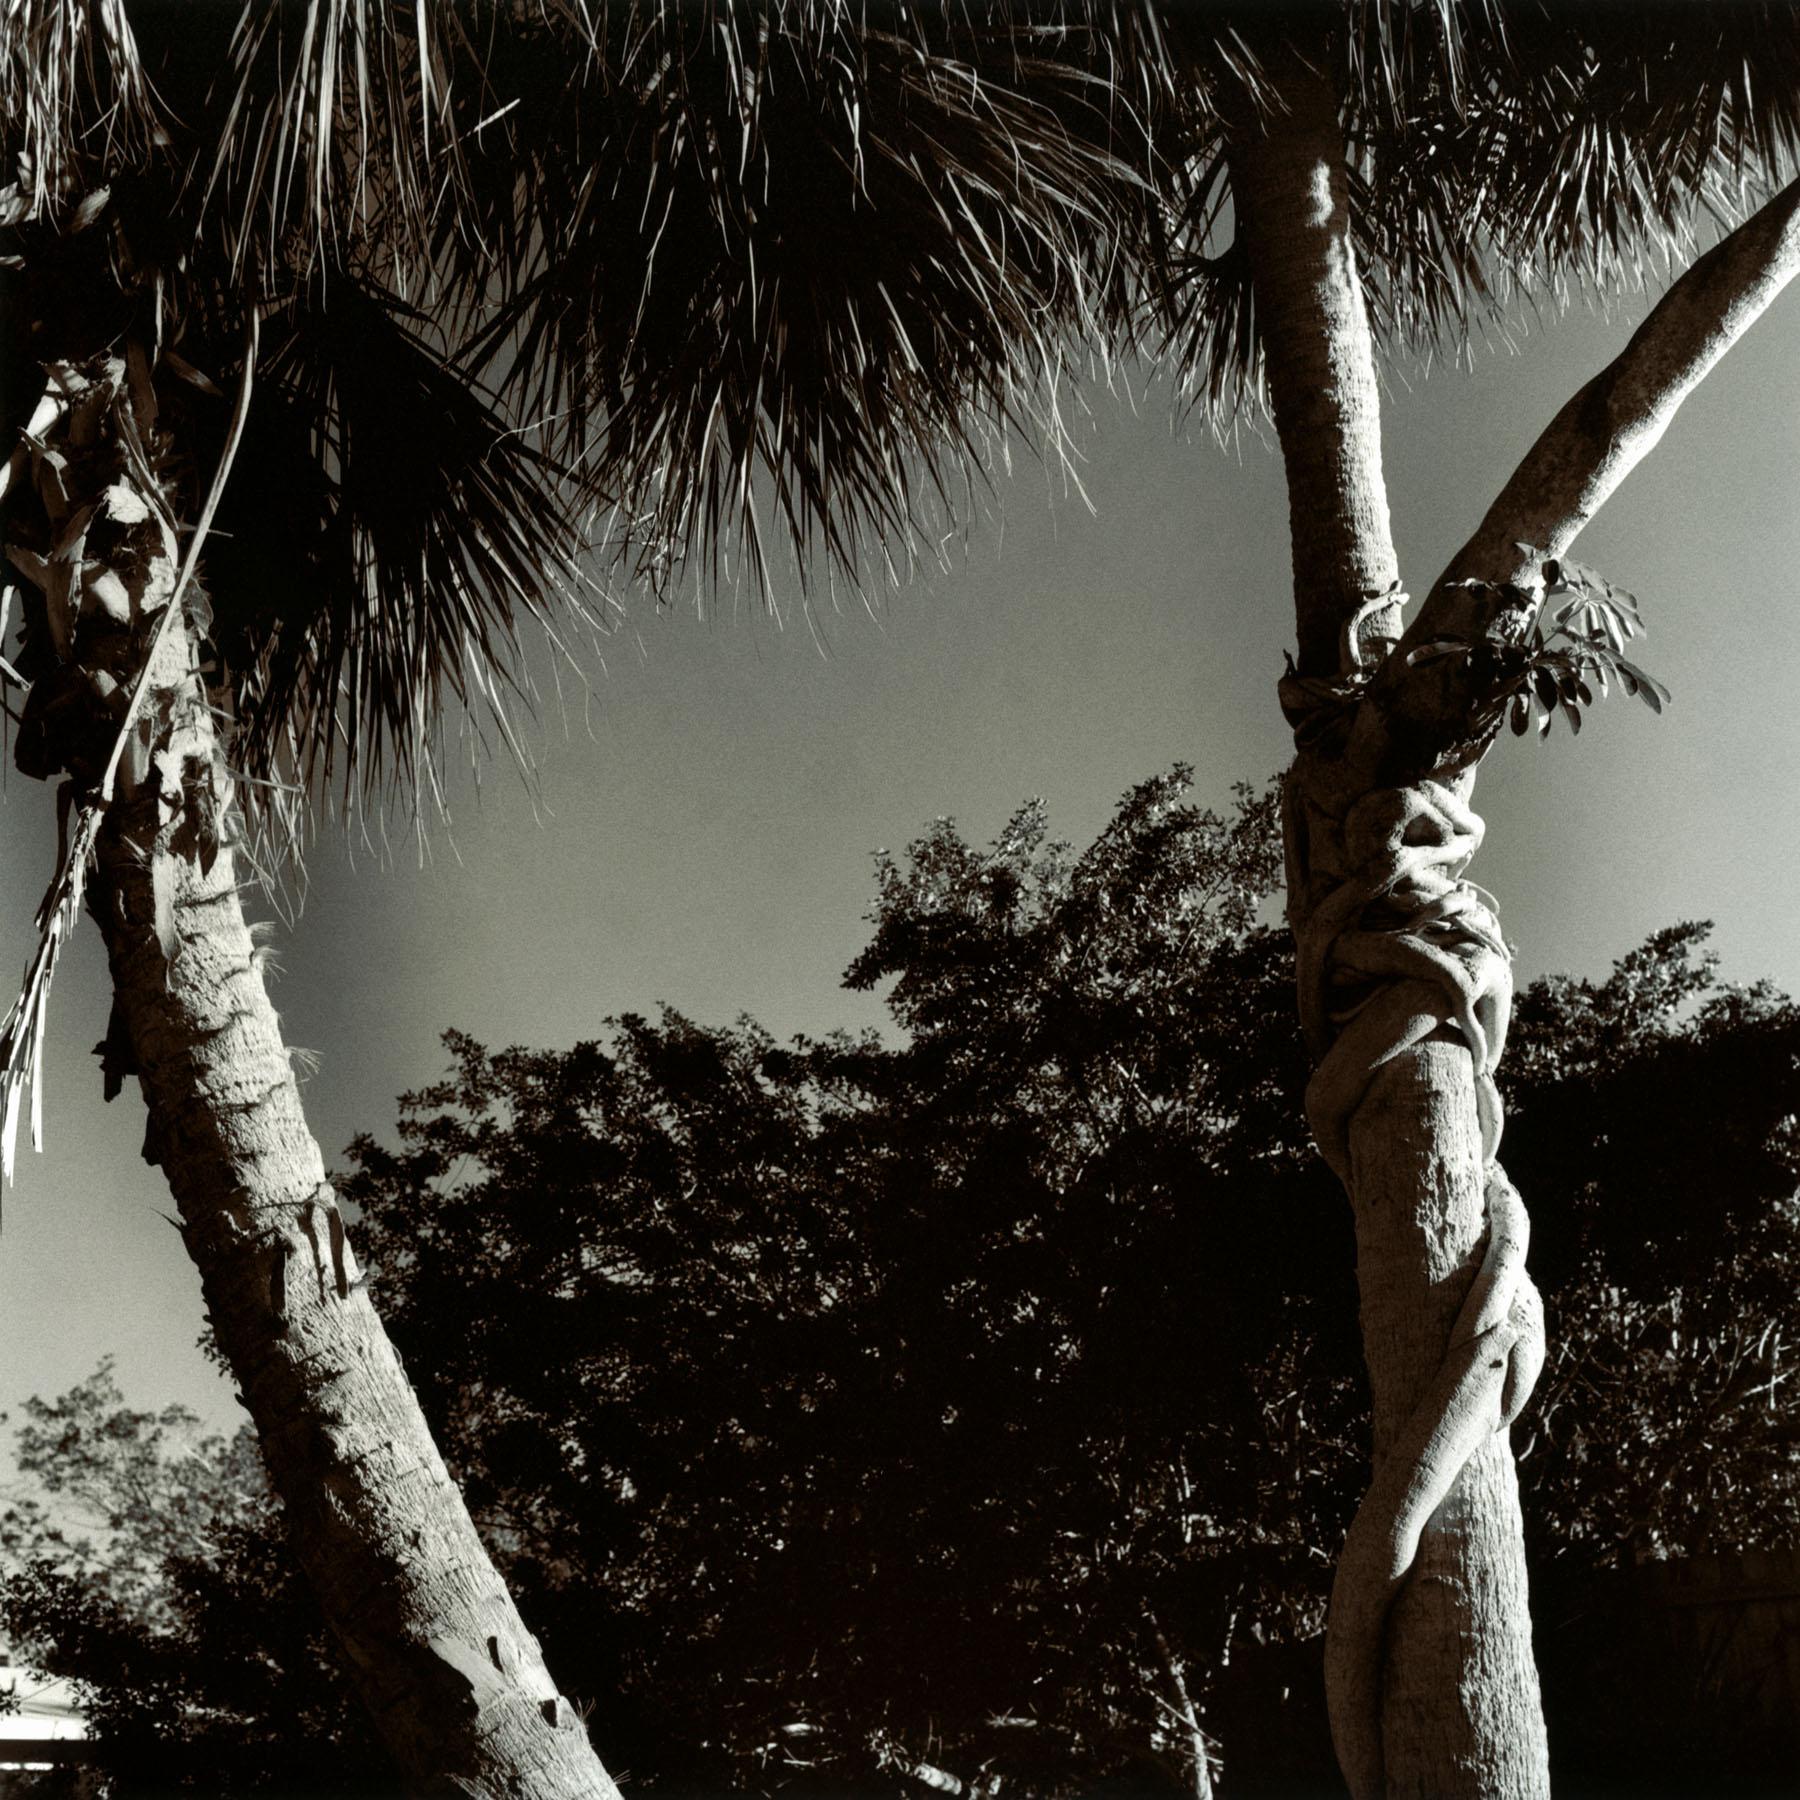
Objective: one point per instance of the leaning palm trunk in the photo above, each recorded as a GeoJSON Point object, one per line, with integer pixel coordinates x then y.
{"type": "Point", "coordinates": [1403, 988]}
{"type": "Point", "coordinates": [456, 1684]}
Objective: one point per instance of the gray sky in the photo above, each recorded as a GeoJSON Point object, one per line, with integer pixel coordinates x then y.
{"type": "Point", "coordinates": [708, 844]}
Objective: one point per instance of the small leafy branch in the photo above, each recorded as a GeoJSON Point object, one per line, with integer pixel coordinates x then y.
{"type": "Point", "coordinates": [1590, 621]}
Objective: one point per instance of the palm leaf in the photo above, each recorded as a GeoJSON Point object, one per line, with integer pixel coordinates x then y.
{"type": "Point", "coordinates": [384, 533]}
{"type": "Point", "coordinates": [1495, 148]}
{"type": "Point", "coordinates": [327, 126]}
{"type": "Point", "coordinates": [758, 275]}
{"type": "Point", "coordinates": [800, 268]}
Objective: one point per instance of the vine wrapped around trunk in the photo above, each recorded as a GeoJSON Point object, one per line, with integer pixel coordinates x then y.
{"type": "Point", "coordinates": [1403, 975]}
{"type": "Point", "coordinates": [1397, 951]}
{"type": "Point", "coordinates": [1404, 984]}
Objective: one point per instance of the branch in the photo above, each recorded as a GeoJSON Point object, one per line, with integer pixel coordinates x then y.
{"type": "Point", "coordinates": [1184, 1711]}
{"type": "Point", "coordinates": [1614, 422]}
{"type": "Point", "coordinates": [1421, 717]}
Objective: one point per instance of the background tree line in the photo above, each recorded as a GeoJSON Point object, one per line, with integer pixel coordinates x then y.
{"type": "Point", "coordinates": [972, 1403]}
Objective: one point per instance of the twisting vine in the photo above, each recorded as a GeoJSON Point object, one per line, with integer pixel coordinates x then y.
{"type": "Point", "coordinates": [1402, 946]}
{"type": "Point", "coordinates": [1395, 945]}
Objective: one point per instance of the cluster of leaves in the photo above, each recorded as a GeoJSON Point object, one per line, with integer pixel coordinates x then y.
{"type": "Point", "coordinates": [849, 1407]}
{"type": "Point", "coordinates": [1591, 621]}
{"type": "Point", "coordinates": [867, 1360]}
{"type": "Point", "coordinates": [1555, 667]}
{"type": "Point", "coordinates": [1668, 1263]}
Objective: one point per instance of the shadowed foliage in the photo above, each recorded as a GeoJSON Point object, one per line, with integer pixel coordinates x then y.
{"type": "Point", "coordinates": [928, 1400]}
{"type": "Point", "coordinates": [1501, 150]}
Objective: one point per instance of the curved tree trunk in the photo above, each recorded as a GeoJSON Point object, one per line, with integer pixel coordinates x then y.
{"type": "Point", "coordinates": [455, 1682]}
{"type": "Point", "coordinates": [1434, 1686]}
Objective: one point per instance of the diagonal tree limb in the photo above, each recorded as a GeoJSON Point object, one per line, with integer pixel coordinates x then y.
{"type": "Point", "coordinates": [1419, 720]}
{"type": "Point", "coordinates": [1615, 421]}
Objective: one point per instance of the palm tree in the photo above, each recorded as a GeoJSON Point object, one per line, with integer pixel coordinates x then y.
{"type": "Point", "coordinates": [1343, 179]}
{"type": "Point", "coordinates": [329, 327]}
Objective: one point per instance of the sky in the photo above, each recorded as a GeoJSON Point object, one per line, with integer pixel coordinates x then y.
{"type": "Point", "coordinates": [702, 830]}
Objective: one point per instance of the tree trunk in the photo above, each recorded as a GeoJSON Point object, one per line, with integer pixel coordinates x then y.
{"type": "Point", "coordinates": [456, 1684]}
{"type": "Point", "coordinates": [1434, 1690]}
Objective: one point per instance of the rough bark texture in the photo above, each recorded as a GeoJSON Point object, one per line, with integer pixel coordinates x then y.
{"type": "Point", "coordinates": [456, 1684]}
{"type": "Point", "coordinates": [1291, 201]}
{"type": "Point", "coordinates": [1403, 987]}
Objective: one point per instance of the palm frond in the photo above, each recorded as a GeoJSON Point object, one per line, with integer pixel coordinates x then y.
{"type": "Point", "coordinates": [761, 274]}
{"type": "Point", "coordinates": [797, 260]}
{"type": "Point", "coordinates": [1613, 133]}
{"type": "Point", "coordinates": [1208, 320]}
{"type": "Point", "coordinates": [1496, 147]}
{"type": "Point", "coordinates": [74, 100]}
{"type": "Point", "coordinates": [385, 532]}
{"type": "Point", "coordinates": [328, 129]}
{"type": "Point", "coordinates": [25, 1029]}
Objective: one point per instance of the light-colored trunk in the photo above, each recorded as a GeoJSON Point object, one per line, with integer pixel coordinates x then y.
{"type": "Point", "coordinates": [1459, 1699]}
{"type": "Point", "coordinates": [1434, 1686]}
{"type": "Point", "coordinates": [1199, 1751]}
{"type": "Point", "coordinates": [430, 1637]}
{"type": "Point", "coordinates": [1289, 197]}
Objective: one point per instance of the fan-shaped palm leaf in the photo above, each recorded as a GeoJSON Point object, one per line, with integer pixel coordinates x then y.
{"type": "Point", "coordinates": [1505, 146]}
{"type": "Point", "coordinates": [384, 533]}
{"type": "Point", "coordinates": [802, 261]}
{"type": "Point", "coordinates": [744, 276]}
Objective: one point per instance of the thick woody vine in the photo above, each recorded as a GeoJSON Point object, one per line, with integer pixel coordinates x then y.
{"type": "Point", "coordinates": [1395, 946]}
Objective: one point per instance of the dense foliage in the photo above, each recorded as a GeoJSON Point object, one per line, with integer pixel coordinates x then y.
{"type": "Point", "coordinates": [972, 1400]}
{"type": "Point", "coordinates": [151, 1561]}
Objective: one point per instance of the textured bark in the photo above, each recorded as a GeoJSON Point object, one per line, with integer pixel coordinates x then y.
{"type": "Point", "coordinates": [1453, 1699]}
{"type": "Point", "coordinates": [1405, 737]}
{"type": "Point", "coordinates": [1290, 197]}
{"type": "Point", "coordinates": [456, 1684]}
{"type": "Point", "coordinates": [1460, 1712]}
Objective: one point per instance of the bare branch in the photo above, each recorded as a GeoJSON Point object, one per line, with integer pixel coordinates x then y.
{"type": "Point", "coordinates": [1420, 714]}
{"type": "Point", "coordinates": [1603, 433]}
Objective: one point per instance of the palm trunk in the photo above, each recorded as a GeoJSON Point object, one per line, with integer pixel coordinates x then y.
{"type": "Point", "coordinates": [456, 1684]}
{"type": "Point", "coordinates": [1287, 187]}
{"type": "Point", "coordinates": [1434, 1687]}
